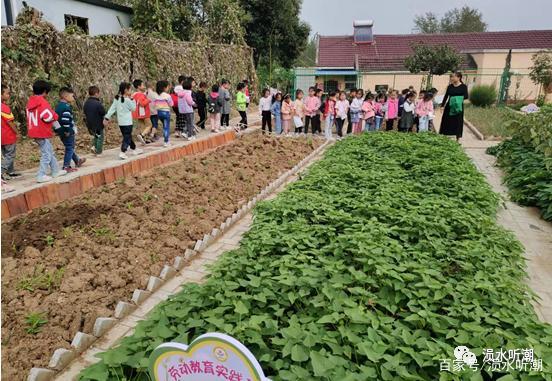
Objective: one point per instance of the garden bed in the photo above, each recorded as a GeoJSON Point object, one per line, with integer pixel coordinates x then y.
{"type": "Point", "coordinates": [74, 261]}
{"type": "Point", "coordinates": [491, 121]}
{"type": "Point", "coordinates": [375, 265]}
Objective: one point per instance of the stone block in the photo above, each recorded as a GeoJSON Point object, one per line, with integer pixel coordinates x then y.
{"type": "Point", "coordinates": [123, 309]}
{"type": "Point", "coordinates": [154, 283]}
{"type": "Point", "coordinates": [198, 245]}
{"type": "Point", "coordinates": [61, 358]}
{"type": "Point", "coordinates": [82, 341]}
{"type": "Point", "coordinates": [41, 374]}
{"type": "Point", "coordinates": [102, 325]}
{"type": "Point", "coordinates": [189, 254]}
{"type": "Point", "coordinates": [138, 296]}
{"type": "Point", "coordinates": [167, 272]}
{"type": "Point", "coordinates": [179, 263]}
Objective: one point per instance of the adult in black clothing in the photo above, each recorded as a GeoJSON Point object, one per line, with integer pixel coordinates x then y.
{"type": "Point", "coordinates": [352, 95]}
{"type": "Point", "coordinates": [201, 103]}
{"type": "Point", "coordinates": [452, 122]}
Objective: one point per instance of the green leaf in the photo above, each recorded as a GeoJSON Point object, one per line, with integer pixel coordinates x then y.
{"type": "Point", "coordinates": [299, 353]}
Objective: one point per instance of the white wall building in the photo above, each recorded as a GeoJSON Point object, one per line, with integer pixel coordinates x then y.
{"type": "Point", "coordinates": [93, 16]}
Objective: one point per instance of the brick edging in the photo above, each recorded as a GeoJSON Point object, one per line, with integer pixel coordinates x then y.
{"type": "Point", "coordinates": [55, 192]}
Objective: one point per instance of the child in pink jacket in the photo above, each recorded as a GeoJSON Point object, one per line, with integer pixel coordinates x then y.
{"type": "Point", "coordinates": [369, 113]}
{"type": "Point", "coordinates": [287, 110]}
{"type": "Point", "coordinates": [392, 110]}
{"type": "Point", "coordinates": [424, 110]}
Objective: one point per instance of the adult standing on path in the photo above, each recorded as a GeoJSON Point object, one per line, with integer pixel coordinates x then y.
{"type": "Point", "coordinates": [452, 122]}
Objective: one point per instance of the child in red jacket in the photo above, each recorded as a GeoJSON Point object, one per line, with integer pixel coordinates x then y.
{"type": "Point", "coordinates": [329, 114]}
{"type": "Point", "coordinates": [9, 137]}
{"type": "Point", "coordinates": [142, 113]}
{"type": "Point", "coordinates": [40, 120]}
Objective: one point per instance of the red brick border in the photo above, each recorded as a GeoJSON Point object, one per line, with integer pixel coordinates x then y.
{"type": "Point", "coordinates": [55, 192]}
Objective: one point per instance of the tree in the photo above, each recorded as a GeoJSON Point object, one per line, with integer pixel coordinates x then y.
{"type": "Point", "coordinates": [461, 20]}
{"type": "Point", "coordinates": [307, 58]}
{"type": "Point", "coordinates": [435, 60]}
{"type": "Point", "coordinates": [274, 30]}
{"type": "Point", "coordinates": [217, 21]}
{"type": "Point", "coordinates": [153, 17]}
{"type": "Point", "coordinates": [427, 23]}
{"type": "Point", "coordinates": [456, 20]}
{"type": "Point", "coordinates": [541, 72]}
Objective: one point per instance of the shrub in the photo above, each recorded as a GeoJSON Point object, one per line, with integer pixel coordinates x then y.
{"type": "Point", "coordinates": [534, 130]}
{"type": "Point", "coordinates": [483, 95]}
{"type": "Point", "coordinates": [374, 266]}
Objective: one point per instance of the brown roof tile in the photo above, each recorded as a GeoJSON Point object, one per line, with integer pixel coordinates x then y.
{"type": "Point", "coordinates": [387, 52]}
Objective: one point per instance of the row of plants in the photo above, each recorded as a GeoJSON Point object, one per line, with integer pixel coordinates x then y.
{"type": "Point", "coordinates": [375, 265]}
{"type": "Point", "coordinates": [527, 160]}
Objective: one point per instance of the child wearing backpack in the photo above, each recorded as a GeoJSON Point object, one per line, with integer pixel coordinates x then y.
{"type": "Point", "coordinates": [123, 105]}
{"type": "Point", "coordinates": [214, 106]}
{"type": "Point", "coordinates": [241, 104]}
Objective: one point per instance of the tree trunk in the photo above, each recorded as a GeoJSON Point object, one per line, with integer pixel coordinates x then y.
{"type": "Point", "coordinates": [548, 94]}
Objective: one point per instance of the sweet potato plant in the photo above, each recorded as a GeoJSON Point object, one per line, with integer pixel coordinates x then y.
{"type": "Point", "coordinates": [375, 265]}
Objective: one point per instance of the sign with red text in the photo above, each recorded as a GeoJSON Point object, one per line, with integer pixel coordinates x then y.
{"type": "Point", "coordinates": [210, 357]}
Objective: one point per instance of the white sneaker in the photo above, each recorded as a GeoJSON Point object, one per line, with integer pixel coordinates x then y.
{"type": "Point", "coordinates": [44, 179]}
{"type": "Point", "coordinates": [63, 172]}
{"type": "Point", "coordinates": [166, 144]}
{"type": "Point", "coordinates": [123, 156]}
{"type": "Point", "coordinates": [141, 139]}
{"type": "Point", "coordinates": [137, 151]}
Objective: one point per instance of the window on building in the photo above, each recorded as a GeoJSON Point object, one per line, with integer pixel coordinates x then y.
{"type": "Point", "coordinates": [350, 82]}
{"type": "Point", "coordinates": [330, 85]}
{"type": "Point", "coordinates": [380, 88]}
{"type": "Point", "coordinates": [79, 22]}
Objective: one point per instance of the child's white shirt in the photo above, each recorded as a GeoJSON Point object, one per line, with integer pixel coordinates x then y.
{"type": "Point", "coordinates": [409, 107]}
{"type": "Point", "coordinates": [265, 103]}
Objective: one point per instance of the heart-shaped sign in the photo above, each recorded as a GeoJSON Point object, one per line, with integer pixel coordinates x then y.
{"type": "Point", "coordinates": [210, 357]}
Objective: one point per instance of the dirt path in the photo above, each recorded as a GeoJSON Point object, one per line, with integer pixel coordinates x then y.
{"type": "Point", "coordinates": [532, 231]}
{"type": "Point", "coordinates": [72, 262]}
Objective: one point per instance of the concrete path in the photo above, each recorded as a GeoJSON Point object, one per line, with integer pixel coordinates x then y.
{"type": "Point", "coordinates": [530, 229]}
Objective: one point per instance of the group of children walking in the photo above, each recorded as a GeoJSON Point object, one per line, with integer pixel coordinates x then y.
{"type": "Point", "coordinates": [140, 105]}
{"type": "Point", "coordinates": [407, 112]}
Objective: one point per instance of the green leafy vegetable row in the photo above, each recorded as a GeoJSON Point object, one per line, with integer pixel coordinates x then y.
{"type": "Point", "coordinates": [528, 177]}
{"type": "Point", "coordinates": [374, 266]}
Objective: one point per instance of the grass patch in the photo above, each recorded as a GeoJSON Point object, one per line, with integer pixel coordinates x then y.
{"type": "Point", "coordinates": [42, 280]}
{"type": "Point", "coordinates": [34, 322]}
{"type": "Point", "coordinates": [491, 121]}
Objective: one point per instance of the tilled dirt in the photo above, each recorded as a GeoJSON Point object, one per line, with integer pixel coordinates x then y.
{"type": "Point", "coordinates": [74, 261]}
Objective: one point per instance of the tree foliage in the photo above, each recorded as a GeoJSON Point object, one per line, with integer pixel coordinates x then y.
{"type": "Point", "coordinates": [439, 59]}
{"type": "Point", "coordinates": [307, 58]}
{"type": "Point", "coordinates": [218, 21]}
{"type": "Point", "coordinates": [274, 30]}
{"type": "Point", "coordinates": [457, 20]}
{"type": "Point", "coordinates": [541, 71]}
{"type": "Point", "coordinates": [427, 23]}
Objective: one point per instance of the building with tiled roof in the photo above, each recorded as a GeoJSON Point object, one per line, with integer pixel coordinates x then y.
{"type": "Point", "coordinates": [374, 61]}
